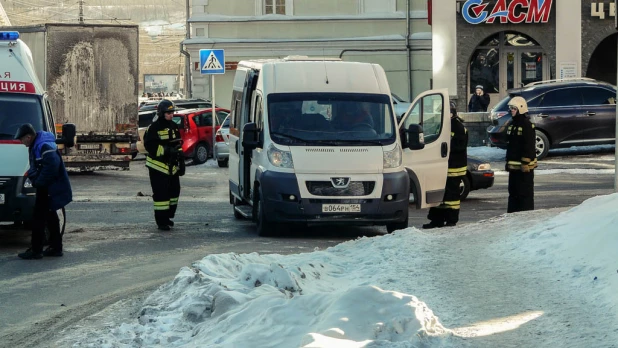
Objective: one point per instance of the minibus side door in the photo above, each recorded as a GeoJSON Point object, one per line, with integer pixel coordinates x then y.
{"type": "Point", "coordinates": [428, 166]}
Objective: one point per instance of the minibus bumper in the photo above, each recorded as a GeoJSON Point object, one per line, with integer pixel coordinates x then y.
{"type": "Point", "coordinates": [283, 203]}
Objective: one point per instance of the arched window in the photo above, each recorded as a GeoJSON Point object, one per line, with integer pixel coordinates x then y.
{"type": "Point", "coordinates": [517, 48]}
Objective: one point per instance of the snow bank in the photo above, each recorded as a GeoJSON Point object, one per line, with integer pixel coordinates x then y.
{"type": "Point", "coordinates": [322, 299]}
{"type": "Point", "coordinates": [579, 246]}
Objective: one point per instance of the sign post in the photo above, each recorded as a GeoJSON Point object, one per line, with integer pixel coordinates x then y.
{"type": "Point", "coordinates": [212, 62]}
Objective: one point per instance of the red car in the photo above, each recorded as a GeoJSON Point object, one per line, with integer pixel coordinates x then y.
{"type": "Point", "coordinates": [195, 127]}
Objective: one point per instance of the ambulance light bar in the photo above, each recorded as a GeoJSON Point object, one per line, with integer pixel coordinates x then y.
{"type": "Point", "coordinates": [9, 35]}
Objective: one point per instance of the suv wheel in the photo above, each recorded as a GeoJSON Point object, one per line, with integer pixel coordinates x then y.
{"type": "Point", "coordinates": [201, 154]}
{"type": "Point", "coordinates": [542, 145]}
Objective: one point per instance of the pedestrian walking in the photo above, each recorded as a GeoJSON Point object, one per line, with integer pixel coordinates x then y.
{"type": "Point", "coordinates": [520, 157]}
{"type": "Point", "coordinates": [165, 163]}
{"type": "Point", "coordinates": [479, 101]}
{"type": "Point", "coordinates": [53, 190]}
{"type": "Point", "coordinates": [447, 213]}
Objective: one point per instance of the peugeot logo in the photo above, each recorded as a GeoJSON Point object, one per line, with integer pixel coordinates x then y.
{"type": "Point", "coordinates": [340, 182]}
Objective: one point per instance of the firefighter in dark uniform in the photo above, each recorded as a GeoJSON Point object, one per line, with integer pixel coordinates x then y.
{"type": "Point", "coordinates": [165, 163]}
{"type": "Point", "coordinates": [447, 213]}
{"type": "Point", "coordinates": [520, 157]}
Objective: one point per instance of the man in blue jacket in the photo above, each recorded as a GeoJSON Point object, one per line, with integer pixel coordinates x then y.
{"type": "Point", "coordinates": [53, 190]}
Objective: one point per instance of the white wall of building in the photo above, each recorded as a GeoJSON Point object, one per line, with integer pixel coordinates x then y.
{"type": "Point", "coordinates": [568, 38]}
{"type": "Point", "coordinates": [444, 45]}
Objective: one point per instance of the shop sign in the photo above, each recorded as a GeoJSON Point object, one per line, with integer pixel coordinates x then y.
{"type": "Point", "coordinates": [515, 11]}
{"type": "Point", "coordinates": [601, 9]}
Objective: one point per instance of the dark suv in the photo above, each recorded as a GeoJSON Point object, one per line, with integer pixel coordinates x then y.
{"type": "Point", "coordinates": [565, 113]}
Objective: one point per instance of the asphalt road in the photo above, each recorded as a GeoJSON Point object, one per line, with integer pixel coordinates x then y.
{"type": "Point", "coordinates": [113, 250]}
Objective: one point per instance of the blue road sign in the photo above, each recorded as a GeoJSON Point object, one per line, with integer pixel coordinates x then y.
{"type": "Point", "coordinates": [212, 62]}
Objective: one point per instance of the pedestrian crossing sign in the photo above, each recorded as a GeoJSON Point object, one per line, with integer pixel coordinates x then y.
{"type": "Point", "coordinates": [212, 61]}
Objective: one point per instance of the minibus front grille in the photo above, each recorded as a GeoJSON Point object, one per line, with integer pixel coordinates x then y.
{"type": "Point", "coordinates": [320, 150]}
{"type": "Point", "coordinates": [326, 188]}
{"type": "Point", "coordinates": [344, 149]}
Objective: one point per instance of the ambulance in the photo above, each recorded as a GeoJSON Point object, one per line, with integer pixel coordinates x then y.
{"type": "Point", "coordinates": [22, 100]}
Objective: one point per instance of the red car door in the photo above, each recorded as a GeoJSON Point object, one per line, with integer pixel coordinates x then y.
{"type": "Point", "coordinates": [204, 126]}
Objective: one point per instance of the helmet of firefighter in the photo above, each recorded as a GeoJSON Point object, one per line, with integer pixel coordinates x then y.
{"type": "Point", "coordinates": [165, 106]}
{"type": "Point", "coordinates": [453, 108]}
{"type": "Point", "coordinates": [520, 104]}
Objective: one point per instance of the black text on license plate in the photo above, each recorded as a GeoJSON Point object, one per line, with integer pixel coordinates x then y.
{"type": "Point", "coordinates": [341, 208]}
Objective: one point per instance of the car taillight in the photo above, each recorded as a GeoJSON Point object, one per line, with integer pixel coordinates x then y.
{"type": "Point", "coordinates": [121, 150]}
{"type": "Point", "coordinates": [219, 137]}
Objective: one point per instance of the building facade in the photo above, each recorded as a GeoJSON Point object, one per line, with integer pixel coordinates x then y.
{"type": "Point", "coordinates": [503, 44]}
{"type": "Point", "coordinates": [374, 31]}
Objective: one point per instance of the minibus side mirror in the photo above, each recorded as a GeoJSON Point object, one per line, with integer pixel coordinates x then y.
{"type": "Point", "coordinates": [68, 135]}
{"type": "Point", "coordinates": [250, 136]}
{"type": "Point", "coordinates": [415, 140]}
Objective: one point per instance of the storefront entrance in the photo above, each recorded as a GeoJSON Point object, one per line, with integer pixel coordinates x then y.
{"type": "Point", "coordinates": [506, 60]}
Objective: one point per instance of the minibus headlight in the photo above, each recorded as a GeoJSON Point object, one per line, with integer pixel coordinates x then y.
{"type": "Point", "coordinates": [392, 159]}
{"type": "Point", "coordinates": [280, 158]}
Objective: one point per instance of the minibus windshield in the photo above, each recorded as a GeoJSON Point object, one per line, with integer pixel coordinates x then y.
{"type": "Point", "coordinates": [331, 119]}
{"type": "Point", "coordinates": [17, 109]}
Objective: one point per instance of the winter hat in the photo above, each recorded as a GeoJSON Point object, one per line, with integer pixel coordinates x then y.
{"type": "Point", "coordinates": [479, 87]}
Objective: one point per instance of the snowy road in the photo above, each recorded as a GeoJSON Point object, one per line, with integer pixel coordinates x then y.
{"type": "Point", "coordinates": [114, 252]}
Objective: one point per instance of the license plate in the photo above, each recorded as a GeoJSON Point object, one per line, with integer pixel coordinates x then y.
{"type": "Point", "coordinates": [1, 198]}
{"type": "Point", "coordinates": [341, 208]}
{"type": "Point", "coordinates": [89, 146]}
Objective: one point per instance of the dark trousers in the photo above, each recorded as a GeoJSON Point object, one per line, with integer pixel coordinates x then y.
{"type": "Point", "coordinates": [43, 217]}
{"type": "Point", "coordinates": [521, 191]}
{"type": "Point", "coordinates": [165, 193]}
{"type": "Point", "coordinates": [448, 211]}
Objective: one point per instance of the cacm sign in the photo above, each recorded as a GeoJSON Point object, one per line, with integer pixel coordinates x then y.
{"type": "Point", "coordinates": [515, 11]}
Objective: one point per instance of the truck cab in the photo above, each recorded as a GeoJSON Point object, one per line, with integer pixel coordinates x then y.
{"type": "Point", "coordinates": [22, 100]}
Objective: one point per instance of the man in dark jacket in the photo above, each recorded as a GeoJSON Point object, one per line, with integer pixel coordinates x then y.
{"type": "Point", "coordinates": [447, 213]}
{"type": "Point", "coordinates": [53, 190]}
{"type": "Point", "coordinates": [479, 102]}
{"type": "Point", "coordinates": [165, 163]}
{"type": "Point", "coordinates": [520, 157]}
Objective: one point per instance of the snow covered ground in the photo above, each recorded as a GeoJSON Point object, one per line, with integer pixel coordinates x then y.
{"type": "Point", "coordinates": [530, 279]}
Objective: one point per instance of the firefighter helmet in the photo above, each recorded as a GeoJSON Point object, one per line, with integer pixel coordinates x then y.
{"type": "Point", "coordinates": [165, 106]}
{"type": "Point", "coordinates": [520, 104]}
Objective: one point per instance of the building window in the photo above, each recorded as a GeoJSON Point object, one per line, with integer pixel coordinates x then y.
{"type": "Point", "coordinates": [274, 7]}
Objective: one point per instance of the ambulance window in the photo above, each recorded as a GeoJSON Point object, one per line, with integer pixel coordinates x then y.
{"type": "Point", "coordinates": [17, 109]}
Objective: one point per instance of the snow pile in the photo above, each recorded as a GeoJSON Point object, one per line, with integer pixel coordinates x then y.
{"type": "Point", "coordinates": [579, 245]}
{"type": "Point", "coordinates": [486, 153]}
{"type": "Point", "coordinates": [333, 298]}
{"type": "Point", "coordinates": [531, 279]}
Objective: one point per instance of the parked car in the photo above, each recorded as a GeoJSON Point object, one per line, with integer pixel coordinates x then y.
{"type": "Point", "coordinates": [183, 103]}
{"type": "Point", "coordinates": [144, 119]}
{"type": "Point", "coordinates": [400, 105]}
{"type": "Point", "coordinates": [222, 138]}
{"type": "Point", "coordinates": [565, 113]}
{"type": "Point", "coordinates": [478, 176]}
{"type": "Point", "coordinates": [196, 131]}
